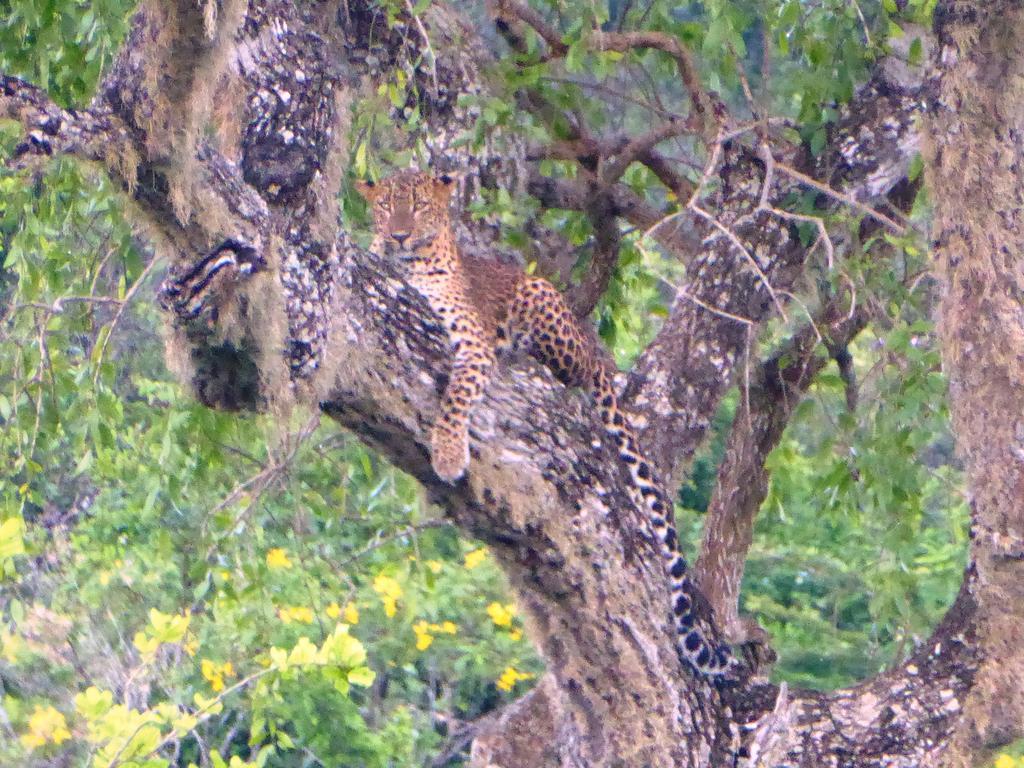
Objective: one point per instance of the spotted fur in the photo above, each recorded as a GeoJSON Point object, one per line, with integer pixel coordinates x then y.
{"type": "Point", "coordinates": [490, 308]}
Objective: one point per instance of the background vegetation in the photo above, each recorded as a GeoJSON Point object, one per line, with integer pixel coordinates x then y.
{"type": "Point", "coordinates": [183, 586]}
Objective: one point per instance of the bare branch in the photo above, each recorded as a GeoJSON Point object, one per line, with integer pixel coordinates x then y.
{"type": "Point", "coordinates": [597, 40]}
{"type": "Point", "coordinates": [838, 196]}
{"type": "Point", "coordinates": [641, 146]}
{"type": "Point", "coordinates": [773, 393]}
{"type": "Point", "coordinates": [93, 134]}
{"type": "Point", "coordinates": [672, 382]}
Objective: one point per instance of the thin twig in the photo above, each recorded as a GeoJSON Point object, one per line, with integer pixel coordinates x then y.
{"type": "Point", "coordinates": [835, 194]}
{"type": "Point", "coordinates": [714, 310]}
{"type": "Point", "coordinates": [863, 23]}
{"type": "Point", "coordinates": [764, 205]}
{"type": "Point", "coordinates": [120, 311]}
{"type": "Point", "coordinates": [202, 715]}
{"type": "Point", "coordinates": [261, 480]}
{"type": "Point", "coordinates": [709, 169]}
{"type": "Point", "coordinates": [432, 59]}
{"type": "Point", "coordinates": [380, 539]}
{"type": "Point", "coordinates": [737, 243]}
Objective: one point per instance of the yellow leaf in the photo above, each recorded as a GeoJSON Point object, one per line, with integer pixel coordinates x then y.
{"type": "Point", "coordinates": [362, 676]}
{"type": "Point", "coordinates": [343, 650]}
{"type": "Point", "coordinates": [387, 586]}
{"type": "Point", "coordinates": [474, 558]}
{"type": "Point", "coordinates": [167, 627]}
{"type": "Point", "coordinates": [147, 645]}
{"type": "Point", "coordinates": [300, 613]}
{"type": "Point", "coordinates": [389, 590]}
{"type": "Point", "coordinates": [11, 542]}
{"type": "Point", "coordinates": [423, 636]}
{"type": "Point", "coordinates": [510, 677]}
{"type": "Point", "coordinates": [500, 614]}
{"type": "Point", "coordinates": [11, 646]}
{"type": "Point", "coordinates": [93, 703]}
{"type": "Point", "coordinates": [277, 558]}
{"type": "Point", "coordinates": [304, 653]}
{"type": "Point", "coordinates": [211, 705]}
{"type": "Point", "coordinates": [279, 658]}
{"type": "Point", "coordinates": [185, 723]}
{"type": "Point", "coordinates": [45, 724]}
{"type": "Point", "coordinates": [215, 673]}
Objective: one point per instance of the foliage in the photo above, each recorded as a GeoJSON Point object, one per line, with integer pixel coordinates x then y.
{"type": "Point", "coordinates": [62, 45]}
{"type": "Point", "coordinates": [184, 586]}
{"type": "Point", "coordinates": [163, 595]}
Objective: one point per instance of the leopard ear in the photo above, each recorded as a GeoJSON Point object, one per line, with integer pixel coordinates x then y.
{"type": "Point", "coordinates": [367, 189]}
{"type": "Point", "coordinates": [444, 185]}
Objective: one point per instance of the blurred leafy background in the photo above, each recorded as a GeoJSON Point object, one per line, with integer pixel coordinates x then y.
{"type": "Point", "coordinates": [181, 586]}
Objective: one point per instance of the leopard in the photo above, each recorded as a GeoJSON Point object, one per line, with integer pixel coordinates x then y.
{"type": "Point", "coordinates": [493, 310]}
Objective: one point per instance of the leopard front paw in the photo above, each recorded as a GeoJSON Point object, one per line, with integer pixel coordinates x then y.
{"type": "Point", "coordinates": [449, 454]}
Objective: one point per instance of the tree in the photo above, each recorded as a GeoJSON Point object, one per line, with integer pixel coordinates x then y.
{"type": "Point", "coordinates": [233, 127]}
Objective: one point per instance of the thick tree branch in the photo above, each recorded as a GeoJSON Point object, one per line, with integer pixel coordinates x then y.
{"type": "Point", "coordinates": [775, 389]}
{"type": "Point", "coordinates": [677, 383]}
{"type": "Point", "coordinates": [50, 130]}
{"type": "Point", "coordinates": [576, 194]}
{"type": "Point", "coordinates": [604, 257]}
{"type": "Point", "coordinates": [556, 525]}
{"type": "Point", "coordinates": [641, 147]}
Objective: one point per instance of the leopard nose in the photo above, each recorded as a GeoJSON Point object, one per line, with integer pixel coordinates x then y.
{"type": "Point", "coordinates": [401, 237]}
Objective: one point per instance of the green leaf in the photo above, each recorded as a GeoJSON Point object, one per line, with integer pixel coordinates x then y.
{"type": "Point", "coordinates": [916, 166]}
{"type": "Point", "coordinates": [916, 53]}
{"type": "Point", "coordinates": [818, 141]}
{"type": "Point", "coordinates": [574, 56]}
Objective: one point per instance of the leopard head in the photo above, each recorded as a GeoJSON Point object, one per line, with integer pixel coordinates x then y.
{"type": "Point", "coordinates": [410, 208]}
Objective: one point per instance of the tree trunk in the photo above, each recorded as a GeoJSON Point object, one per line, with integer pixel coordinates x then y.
{"type": "Point", "coordinates": [975, 162]}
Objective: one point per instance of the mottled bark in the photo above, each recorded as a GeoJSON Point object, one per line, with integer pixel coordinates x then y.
{"type": "Point", "coordinates": [321, 323]}
{"type": "Point", "coordinates": [975, 162]}
{"type": "Point", "coordinates": [552, 506]}
{"type": "Point", "coordinates": [775, 389]}
{"type": "Point", "coordinates": [677, 383]}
